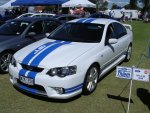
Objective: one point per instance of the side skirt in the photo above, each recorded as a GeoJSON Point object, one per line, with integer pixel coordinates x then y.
{"type": "Point", "coordinates": [112, 65]}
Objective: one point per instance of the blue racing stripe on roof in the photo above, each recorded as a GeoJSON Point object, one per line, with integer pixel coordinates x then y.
{"type": "Point", "coordinates": [34, 91]}
{"type": "Point", "coordinates": [43, 54]}
{"type": "Point", "coordinates": [37, 50]}
{"type": "Point", "coordinates": [81, 20]}
{"type": "Point", "coordinates": [73, 89]}
{"type": "Point", "coordinates": [89, 20]}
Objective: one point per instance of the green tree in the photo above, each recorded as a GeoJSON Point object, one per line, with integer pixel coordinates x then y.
{"type": "Point", "coordinates": [146, 4]}
{"type": "Point", "coordinates": [133, 4]}
{"type": "Point", "coordinates": [104, 6]}
{"type": "Point", "coordinates": [114, 6]}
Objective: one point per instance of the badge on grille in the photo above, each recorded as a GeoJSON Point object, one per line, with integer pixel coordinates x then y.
{"type": "Point", "coordinates": [29, 68]}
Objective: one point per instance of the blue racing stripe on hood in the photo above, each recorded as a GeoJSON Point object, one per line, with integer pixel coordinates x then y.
{"type": "Point", "coordinates": [43, 54]}
{"type": "Point", "coordinates": [37, 50]}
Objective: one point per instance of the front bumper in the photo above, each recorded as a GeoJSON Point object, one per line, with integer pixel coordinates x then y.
{"type": "Point", "coordinates": [44, 84]}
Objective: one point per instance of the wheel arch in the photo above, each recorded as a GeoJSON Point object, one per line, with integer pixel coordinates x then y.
{"type": "Point", "coordinates": [8, 50]}
{"type": "Point", "coordinates": [85, 91]}
{"type": "Point", "coordinates": [95, 63]}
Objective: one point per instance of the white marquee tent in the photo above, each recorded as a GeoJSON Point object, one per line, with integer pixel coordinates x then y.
{"type": "Point", "coordinates": [76, 3]}
{"type": "Point", "coordinates": [7, 5]}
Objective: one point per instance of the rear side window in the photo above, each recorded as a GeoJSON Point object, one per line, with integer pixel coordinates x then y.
{"type": "Point", "coordinates": [120, 30]}
{"type": "Point", "coordinates": [62, 18]}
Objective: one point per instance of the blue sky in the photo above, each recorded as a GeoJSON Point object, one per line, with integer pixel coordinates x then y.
{"type": "Point", "coordinates": [118, 2]}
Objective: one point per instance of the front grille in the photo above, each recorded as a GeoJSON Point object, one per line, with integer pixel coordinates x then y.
{"type": "Point", "coordinates": [32, 68]}
{"type": "Point", "coordinates": [37, 87]}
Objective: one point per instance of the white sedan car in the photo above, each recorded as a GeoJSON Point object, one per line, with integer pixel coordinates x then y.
{"type": "Point", "coordinates": [72, 58]}
{"type": "Point", "coordinates": [36, 15]}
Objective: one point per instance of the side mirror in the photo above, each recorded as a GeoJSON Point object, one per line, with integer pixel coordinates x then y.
{"type": "Point", "coordinates": [47, 34]}
{"type": "Point", "coordinates": [113, 41]}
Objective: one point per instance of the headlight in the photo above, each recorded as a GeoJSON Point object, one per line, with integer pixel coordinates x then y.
{"type": "Point", "coordinates": [62, 71]}
{"type": "Point", "coordinates": [13, 62]}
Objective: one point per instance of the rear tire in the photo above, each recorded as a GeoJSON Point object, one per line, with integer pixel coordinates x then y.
{"type": "Point", "coordinates": [128, 54]}
{"type": "Point", "coordinates": [5, 59]}
{"type": "Point", "coordinates": [91, 79]}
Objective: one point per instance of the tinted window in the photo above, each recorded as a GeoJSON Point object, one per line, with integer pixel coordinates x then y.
{"type": "Point", "coordinates": [14, 28]}
{"type": "Point", "coordinates": [62, 18]}
{"type": "Point", "coordinates": [37, 28]}
{"type": "Point", "coordinates": [50, 26]}
{"type": "Point", "coordinates": [36, 16]}
{"type": "Point", "coordinates": [119, 30]}
{"type": "Point", "coordinates": [95, 16]}
{"type": "Point", "coordinates": [26, 15]}
{"type": "Point", "coordinates": [79, 32]}
{"type": "Point", "coordinates": [71, 18]}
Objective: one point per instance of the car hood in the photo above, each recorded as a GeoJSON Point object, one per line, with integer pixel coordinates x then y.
{"type": "Point", "coordinates": [54, 54]}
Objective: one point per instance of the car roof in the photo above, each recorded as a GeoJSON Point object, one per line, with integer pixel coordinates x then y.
{"type": "Point", "coordinates": [65, 15]}
{"type": "Point", "coordinates": [43, 14]}
{"type": "Point", "coordinates": [93, 20]}
{"type": "Point", "coordinates": [33, 19]}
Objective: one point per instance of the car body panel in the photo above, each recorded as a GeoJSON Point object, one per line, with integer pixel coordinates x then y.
{"type": "Point", "coordinates": [64, 53]}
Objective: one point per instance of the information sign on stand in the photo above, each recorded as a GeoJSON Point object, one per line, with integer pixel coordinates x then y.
{"type": "Point", "coordinates": [132, 74]}
{"type": "Point", "coordinates": [141, 75]}
{"type": "Point", "coordinates": [124, 72]}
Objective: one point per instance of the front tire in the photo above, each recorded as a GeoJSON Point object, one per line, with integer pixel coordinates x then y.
{"type": "Point", "coordinates": [5, 59]}
{"type": "Point", "coordinates": [91, 79]}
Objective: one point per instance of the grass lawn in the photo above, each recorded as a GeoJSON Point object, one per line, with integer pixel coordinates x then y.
{"type": "Point", "coordinates": [13, 101]}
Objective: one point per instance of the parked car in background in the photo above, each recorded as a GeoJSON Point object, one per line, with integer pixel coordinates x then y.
{"type": "Point", "coordinates": [65, 17]}
{"type": "Point", "coordinates": [36, 15]}
{"type": "Point", "coordinates": [101, 15]}
{"type": "Point", "coordinates": [1, 21]}
{"type": "Point", "coordinates": [18, 33]}
{"type": "Point", "coordinates": [72, 58]}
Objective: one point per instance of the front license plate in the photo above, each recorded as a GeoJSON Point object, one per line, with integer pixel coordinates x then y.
{"type": "Point", "coordinates": [26, 80]}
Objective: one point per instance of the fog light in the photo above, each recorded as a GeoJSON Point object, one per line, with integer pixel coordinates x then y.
{"type": "Point", "coordinates": [14, 80]}
{"type": "Point", "coordinates": [59, 90]}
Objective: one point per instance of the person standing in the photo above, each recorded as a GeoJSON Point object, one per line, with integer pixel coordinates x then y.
{"type": "Point", "coordinates": [123, 17]}
{"type": "Point", "coordinates": [130, 16]}
{"type": "Point", "coordinates": [145, 16]}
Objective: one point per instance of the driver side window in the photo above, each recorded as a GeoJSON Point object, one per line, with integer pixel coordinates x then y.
{"type": "Point", "coordinates": [37, 28]}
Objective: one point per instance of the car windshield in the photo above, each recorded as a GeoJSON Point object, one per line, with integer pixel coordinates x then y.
{"type": "Point", "coordinates": [13, 27]}
{"type": "Point", "coordinates": [78, 32]}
